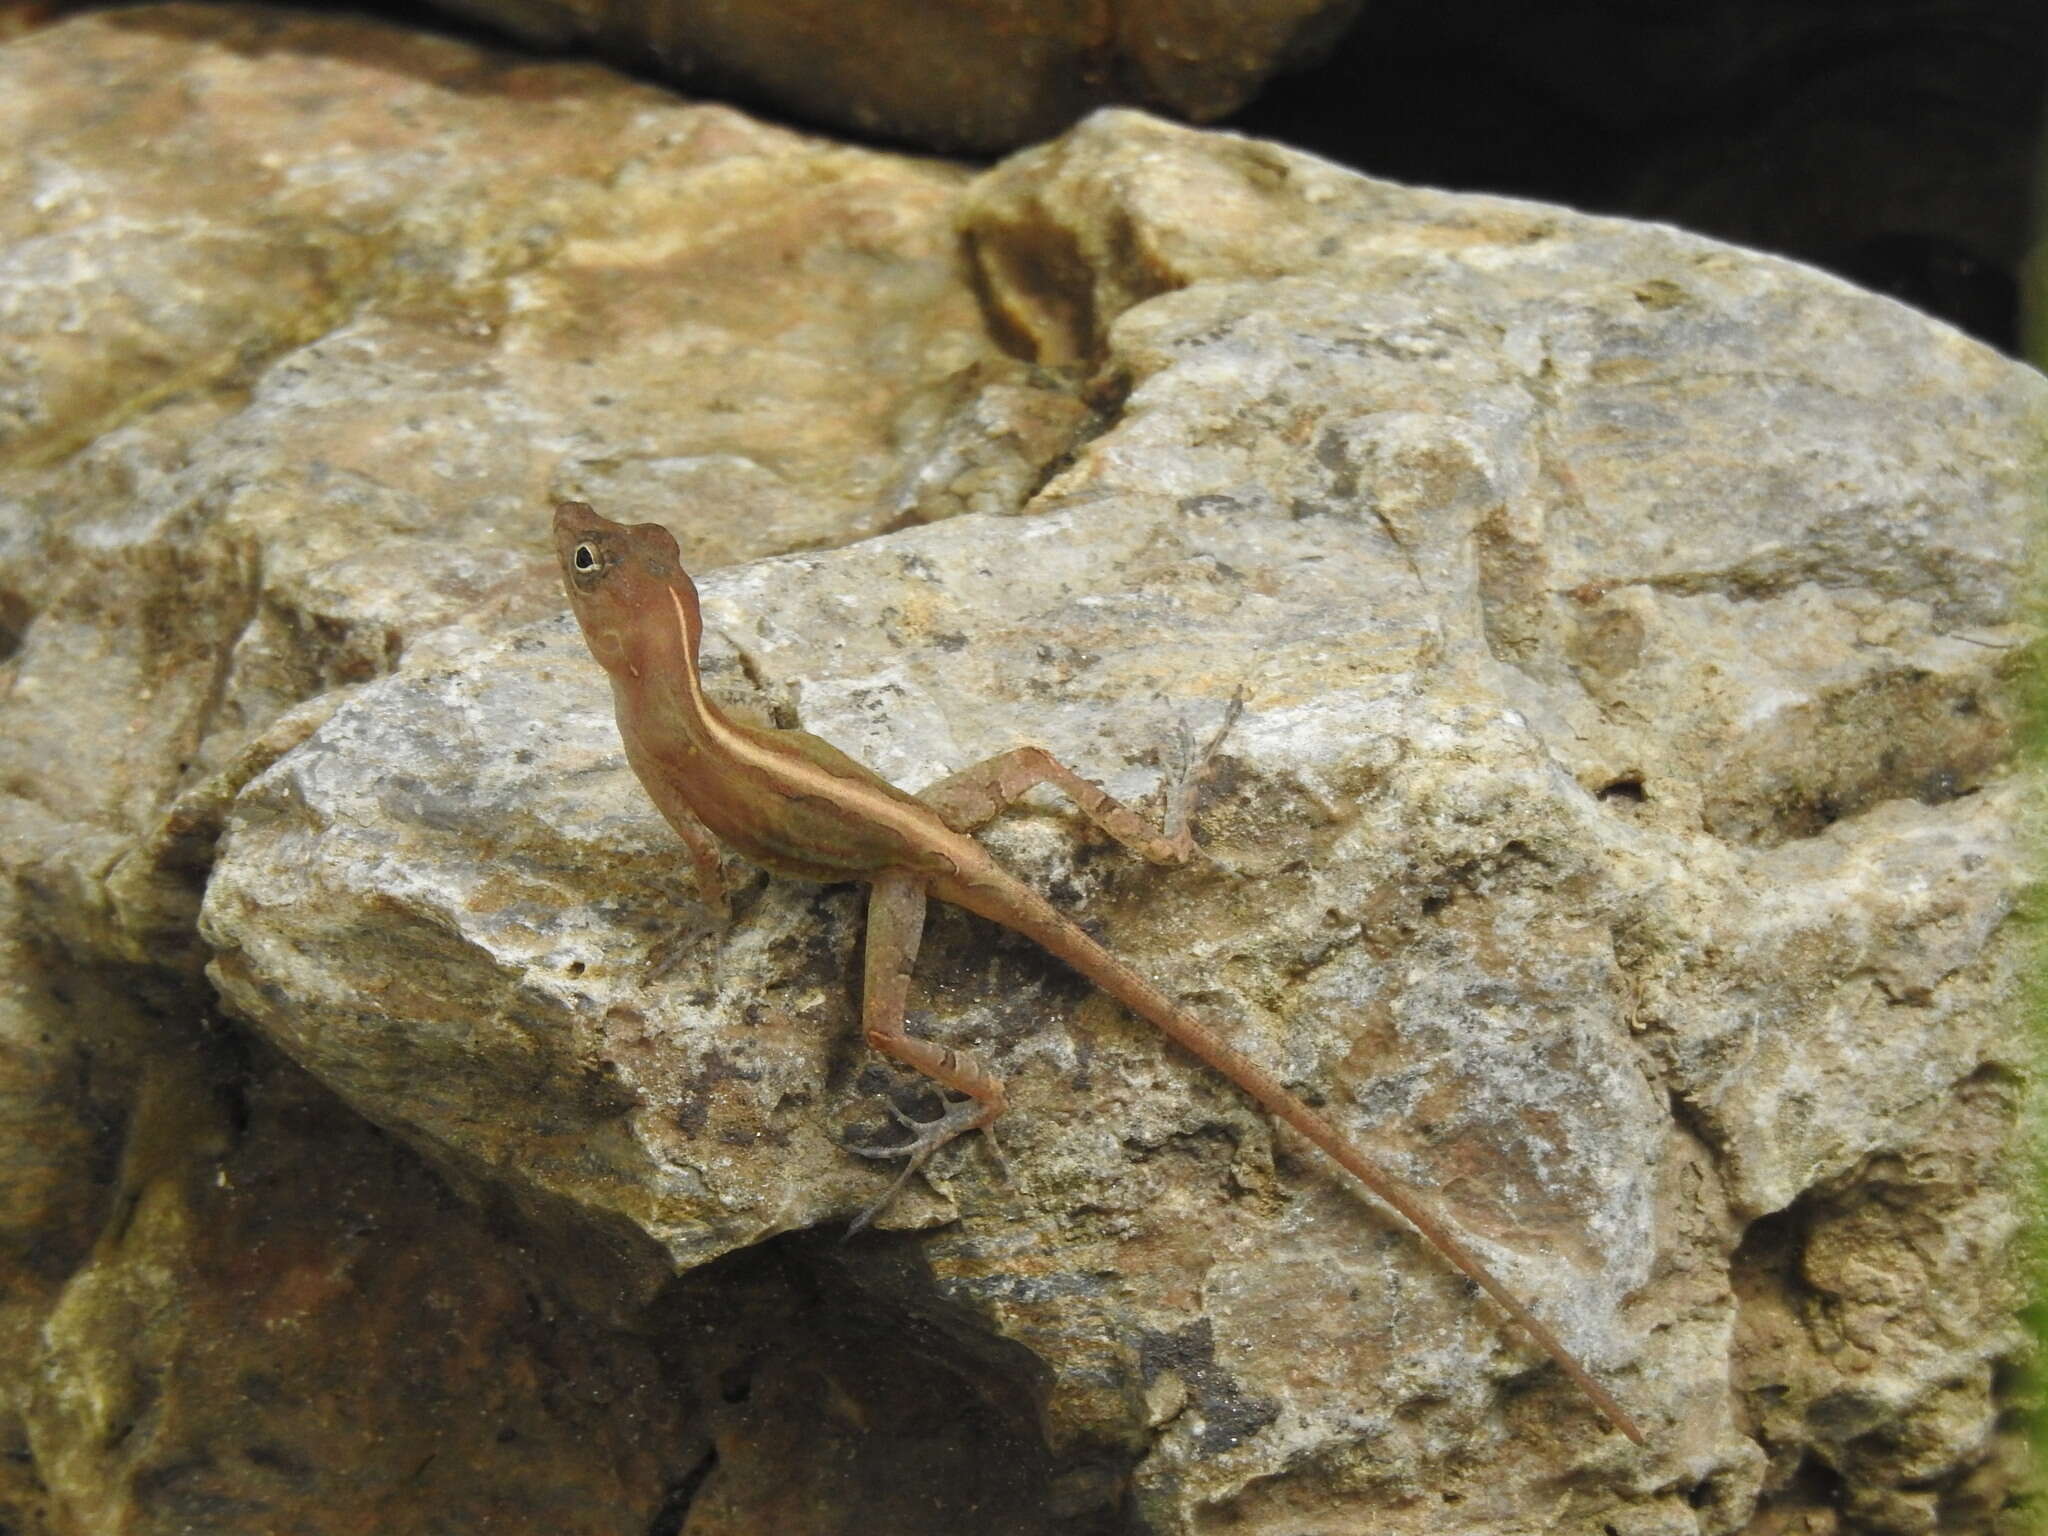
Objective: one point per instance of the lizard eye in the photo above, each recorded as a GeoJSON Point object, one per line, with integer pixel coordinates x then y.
{"type": "Point", "coordinates": [586, 557]}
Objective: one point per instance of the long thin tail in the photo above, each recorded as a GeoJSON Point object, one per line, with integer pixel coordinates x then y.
{"type": "Point", "coordinates": [1042, 923]}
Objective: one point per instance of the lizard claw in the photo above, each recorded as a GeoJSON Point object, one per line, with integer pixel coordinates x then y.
{"type": "Point", "coordinates": [927, 1136]}
{"type": "Point", "coordinates": [1183, 785]}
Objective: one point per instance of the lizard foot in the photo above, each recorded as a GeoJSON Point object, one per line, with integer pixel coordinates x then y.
{"type": "Point", "coordinates": [1182, 785]}
{"type": "Point", "coordinates": [927, 1136]}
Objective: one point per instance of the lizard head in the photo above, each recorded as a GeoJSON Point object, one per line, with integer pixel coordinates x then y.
{"type": "Point", "coordinates": [629, 589]}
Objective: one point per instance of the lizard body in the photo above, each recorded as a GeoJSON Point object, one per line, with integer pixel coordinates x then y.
{"type": "Point", "coordinates": [798, 806]}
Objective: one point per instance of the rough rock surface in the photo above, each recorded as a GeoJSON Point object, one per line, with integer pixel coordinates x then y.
{"type": "Point", "coordinates": [1619, 839]}
{"type": "Point", "coordinates": [283, 386]}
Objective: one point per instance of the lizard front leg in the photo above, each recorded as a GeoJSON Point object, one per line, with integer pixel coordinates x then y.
{"type": "Point", "coordinates": [706, 861]}
{"type": "Point", "coordinates": [896, 904]}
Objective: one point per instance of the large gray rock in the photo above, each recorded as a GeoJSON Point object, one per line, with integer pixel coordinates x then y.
{"type": "Point", "coordinates": [1607, 792]}
{"type": "Point", "coordinates": [1619, 840]}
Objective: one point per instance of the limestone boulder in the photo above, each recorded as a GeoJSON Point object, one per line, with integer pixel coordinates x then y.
{"type": "Point", "coordinates": [1620, 839]}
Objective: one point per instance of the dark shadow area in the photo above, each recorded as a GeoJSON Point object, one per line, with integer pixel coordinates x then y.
{"type": "Point", "coordinates": [836, 1406]}
{"type": "Point", "coordinates": [1891, 143]}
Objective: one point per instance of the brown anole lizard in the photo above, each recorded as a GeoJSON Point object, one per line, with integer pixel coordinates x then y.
{"type": "Point", "coordinates": [798, 806]}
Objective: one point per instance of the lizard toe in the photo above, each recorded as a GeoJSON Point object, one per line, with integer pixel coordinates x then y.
{"type": "Point", "coordinates": [926, 1138]}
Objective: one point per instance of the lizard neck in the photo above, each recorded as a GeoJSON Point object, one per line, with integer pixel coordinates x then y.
{"type": "Point", "coordinates": [657, 684]}
{"type": "Point", "coordinates": [689, 641]}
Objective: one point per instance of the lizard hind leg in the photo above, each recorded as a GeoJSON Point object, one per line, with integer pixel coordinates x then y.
{"type": "Point", "coordinates": [896, 906]}
{"type": "Point", "coordinates": [977, 794]}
